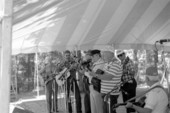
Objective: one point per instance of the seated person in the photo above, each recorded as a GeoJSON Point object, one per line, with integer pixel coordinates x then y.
{"type": "Point", "coordinates": [157, 99]}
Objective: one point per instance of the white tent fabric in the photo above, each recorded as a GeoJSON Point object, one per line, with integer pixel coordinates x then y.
{"type": "Point", "coordinates": [45, 25]}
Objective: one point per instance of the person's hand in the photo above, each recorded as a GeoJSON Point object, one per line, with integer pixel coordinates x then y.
{"type": "Point", "coordinates": [88, 75]}
{"type": "Point", "coordinates": [129, 105]}
{"type": "Point", "coordinates": [82, 71]}
{"type": "Point", "coordinates": [68, 74]}
{"type": "Point", "coordinates": [93, 74]}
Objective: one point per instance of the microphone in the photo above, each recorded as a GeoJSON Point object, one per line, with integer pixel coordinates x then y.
{"type": "Point", "coordinates": [163, 40]}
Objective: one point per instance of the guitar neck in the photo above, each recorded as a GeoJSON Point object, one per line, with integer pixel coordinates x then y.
{"type": "Point", "coordinates": [123, 104]}
{"type": "Point", "coordinates": [61, 73]}
{"type": "Point", "coordinates": [142, 94]}
{"type": "Point", "coordinates": [117, 105]}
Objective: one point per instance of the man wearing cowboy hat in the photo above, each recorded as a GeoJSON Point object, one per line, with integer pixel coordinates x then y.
{"type": "Point", "coordinates": [157, 99]}
{"type": "Point", "coordinates": [130, 84]}
{"type": "Point", "coordinates": [110, 80]}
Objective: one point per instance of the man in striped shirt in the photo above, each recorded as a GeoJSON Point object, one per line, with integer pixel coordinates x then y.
{"type": "Point", "coordinates": [110, 80]}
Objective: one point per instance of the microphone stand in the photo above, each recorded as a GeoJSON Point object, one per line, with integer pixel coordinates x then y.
{"type": "Point", "coordinates": [64, 88]}
{"type": "Point", "coordinates": [107, 96]}
{"type": "Point", "coordinates": [65, 93]}
{"type": "Point", "coordinates": [118, 85]}
{"type": "Point", "coordinates": [69, 100]}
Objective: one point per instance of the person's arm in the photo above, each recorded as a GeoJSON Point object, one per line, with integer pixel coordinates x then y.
{"type": "Point", "coordinates": [150, 103]}
{"type": "Point", "coordinates": [105, 76]}
{"type": "Point", "coordinates": [110, 71]}
{"type": "Point", "coordinates": [138, 109]}
{"type": "Point", "coordinates": [61, 66]}
{"type": "Point", "coordinates": [131, 68]}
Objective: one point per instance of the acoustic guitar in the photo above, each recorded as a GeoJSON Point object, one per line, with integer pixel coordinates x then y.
{"type": "Point", "coordinates": [96, 82]}
{"type": "Point", "coordinates": [141, 101]}
{"type": "Point", "coordinates": [49, 78]}
{"type": "Point", "coordinates": [63, 75]}
{"type": "Point", "coordinates": [59, 78]}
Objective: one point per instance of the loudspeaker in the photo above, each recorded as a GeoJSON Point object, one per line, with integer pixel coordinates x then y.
{"type": "Point", "coordinates": [18, 109]}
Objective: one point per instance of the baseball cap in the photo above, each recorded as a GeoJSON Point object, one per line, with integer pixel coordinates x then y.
{"type": "Point", "coordinates": [95, 51]}
{"type": "Point", "coordinates": [152, 73]}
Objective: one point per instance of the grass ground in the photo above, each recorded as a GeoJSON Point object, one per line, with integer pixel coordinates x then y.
{"type": "Point", "coordinates": [37, 104]}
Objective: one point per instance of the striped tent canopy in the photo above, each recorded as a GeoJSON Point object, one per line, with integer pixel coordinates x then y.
{"type": "Point", "coordinates": [46, 25]}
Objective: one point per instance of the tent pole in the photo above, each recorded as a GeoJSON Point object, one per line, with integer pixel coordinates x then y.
{"type": "Point", "coordinates": [16, 74]}
{"type": "Point", "coordinates": [6, 45]}
{"type": "Point", "coordinates": [36, 70]}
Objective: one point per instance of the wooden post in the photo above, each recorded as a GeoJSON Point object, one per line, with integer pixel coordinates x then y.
{"type": "Point", "coordinates": [5, 42]}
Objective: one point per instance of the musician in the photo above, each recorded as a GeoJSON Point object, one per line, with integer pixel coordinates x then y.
{"type": "Point", "coordinates": [130, 84]}
{"type": "Point", "coordinates": [110, 79]}
{"type": "Point", "coordinates": [96, 101]}
{"type": "Point", "coordinates": [157, 99]}
{"type": "Point", "coordinates": [71, 82]}
{"type": "Point", "coordinates": [47, 72]}
{"type": "Point", "coordinates": [84, 81]}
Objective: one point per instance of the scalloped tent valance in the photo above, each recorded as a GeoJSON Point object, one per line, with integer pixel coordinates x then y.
{"type": "Point", "coordinates": [45, 25]}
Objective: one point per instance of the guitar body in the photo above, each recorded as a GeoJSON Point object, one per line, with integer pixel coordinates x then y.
{"type": "Point", "coordinates": [49, 78]}
{"type": "Point", "coordinates": [141, 102]}
{"type": "Point", "coordinates": [60, 78]}
{"type": "Point", "coordinates": [96, 84]}
{"type": "Point", "coordinates": [60, 82]}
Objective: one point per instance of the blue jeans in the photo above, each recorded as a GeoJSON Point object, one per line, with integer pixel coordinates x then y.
{"type": "Point", "coordinates": [49, 94]}
{"type": "Point", "coordinates": [71, 84]}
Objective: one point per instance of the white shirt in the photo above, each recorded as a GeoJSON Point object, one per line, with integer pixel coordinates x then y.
{"type": "Point", "coordinates": [157, 100]}
{"type": "Point", "coordinates": [98, 65]}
